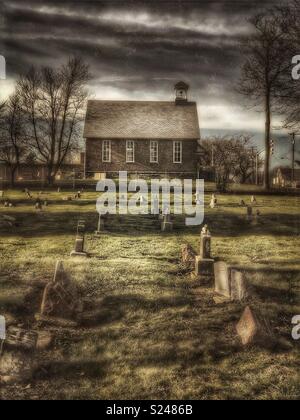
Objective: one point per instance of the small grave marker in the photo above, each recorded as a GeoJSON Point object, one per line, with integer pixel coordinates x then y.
{"type": "Point", "coordinates": [204, 262]}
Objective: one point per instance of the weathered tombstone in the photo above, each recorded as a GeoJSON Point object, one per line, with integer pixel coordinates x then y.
{"type": "Point", "coordinates": [60, 298]}
{"type": "Point", "coordinates": [222, 279]}
{"type": "Point", "coordinates": [238, 284]}
{"type": "Point", "coordinates": [254, 329]}
{"type": "Point", "coordinates": [58, 190]}
{"type": "Point", "coordinates": [188, 256]}
{"type": "Point", "coordinates": [79, 247]}
{"type": "Point", "coordinates": [253, 200]}
{"type": "Point", "coordinates": [1, 194]}
{"type": "Point", "coordinates": [167, 225]}
{"type": "Point", "coordinates": [204, 262]}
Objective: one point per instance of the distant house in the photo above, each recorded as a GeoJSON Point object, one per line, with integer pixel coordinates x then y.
{"type": "Point", "coordinates": [142, 137]}
{"type": "Point", "coordinates": [283, 178]}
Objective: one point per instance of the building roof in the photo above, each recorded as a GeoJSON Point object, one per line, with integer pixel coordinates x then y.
{"type": "Point", "coordinates": [287, 173]}
{"type": "Point", "coordinates": [141, 120]}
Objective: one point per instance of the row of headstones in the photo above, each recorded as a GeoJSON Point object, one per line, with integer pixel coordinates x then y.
{"type": "Point", "coordinates": [214, 201]}
{"type": "Point", "coordinates": [229, 285]}
{"type": "Point", "coordinates": [39, 203]}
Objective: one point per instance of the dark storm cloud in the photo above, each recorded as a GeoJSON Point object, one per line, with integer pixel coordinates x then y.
{"type": "Point", "coordinates": [134, 45]}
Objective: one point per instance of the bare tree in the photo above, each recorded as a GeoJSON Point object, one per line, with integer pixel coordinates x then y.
{"type": "Point", "coordinates": [289, 89]}
{"type": "Point", "coordinates": [53, 102]}
{"type": "Point", "coordinates": [264, 64]}
{"type": "Point", "coordinates": [12, 134]}
{"type": "Point", "coordinates": [232, 157]}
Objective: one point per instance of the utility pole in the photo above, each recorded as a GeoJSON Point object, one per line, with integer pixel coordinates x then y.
{"type": "Point", "coordinates": [293, 156]}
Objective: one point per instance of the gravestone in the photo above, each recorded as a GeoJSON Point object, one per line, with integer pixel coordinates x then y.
{"type": "Point", "coordinates": [222, 279]}
{"type": "Point", "coordinates": [253, 328]}
{"type": "Point", "coordinates": [1, 194]}
{"type": "Point", "coordinates": [253, 200]}
{"type": "Point", "coordinates": [38, 206]}
{"type": "Point", "coordinates": [204, 262]}
{"type": "Point", "coordinates": [79, 247]}
{"type": "Point", "coordinates": [60, 298]}
{"type": "Point", "coordinates": [167, 225]}
{"type": "Point", "coordinates": [230, 282]}
{"type": "Point", "coordinates": [188, 256]}
{"type": "Point", "coordinates": [205, 244]}
{"type": "Point", "coordinates": [239, 285]}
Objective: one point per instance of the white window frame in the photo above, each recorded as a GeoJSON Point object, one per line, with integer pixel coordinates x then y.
{"type": "Point", "coordinates": [130, 148]}
{"type": "Point", "coordinates": [106, 147]}
{"type": "Point", "coordinates": [154, 151]}
{"type": "Point", "coordinates": [176, 152]}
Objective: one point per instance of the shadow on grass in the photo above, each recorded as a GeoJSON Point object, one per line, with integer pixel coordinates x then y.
{"type": "Point", "coordinates": [221, 224]}
{"type": "Point", "coordinates": [80, 369]}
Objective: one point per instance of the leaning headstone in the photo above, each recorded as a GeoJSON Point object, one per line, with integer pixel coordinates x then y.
{"type": "Point", "coordinates": [60, 298]}
{"type": "Point", "coordinates": [222, 279]}
{"type": "Point", "coordinates": [253, 328]}
{"type": "Point", "coordinates": [204, 262]}
{"type": "Point", "coordinates": [167, 225]}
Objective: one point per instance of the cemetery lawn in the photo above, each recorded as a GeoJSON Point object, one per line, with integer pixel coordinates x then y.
{"type": "Point", "coordinates": [151, 332]}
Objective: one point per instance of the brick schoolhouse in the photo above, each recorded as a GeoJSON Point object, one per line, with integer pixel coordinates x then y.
{"type": "Point", "coordinates": [145, 138]}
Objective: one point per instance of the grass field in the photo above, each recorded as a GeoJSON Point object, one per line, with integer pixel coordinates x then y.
{"type": "Point", "coordinates": [156, 334]}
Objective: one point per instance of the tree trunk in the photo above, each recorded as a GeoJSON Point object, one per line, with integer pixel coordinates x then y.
{"type": "Point", "coordinates": [50, 176]}
{"type": "Point", "coordinates": [267, 143]}
{"type": "Point", "coordinates": [12, 176]}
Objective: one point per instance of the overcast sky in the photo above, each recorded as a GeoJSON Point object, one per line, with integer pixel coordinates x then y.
{"type": "Point", "coordinates": [139, 49]}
